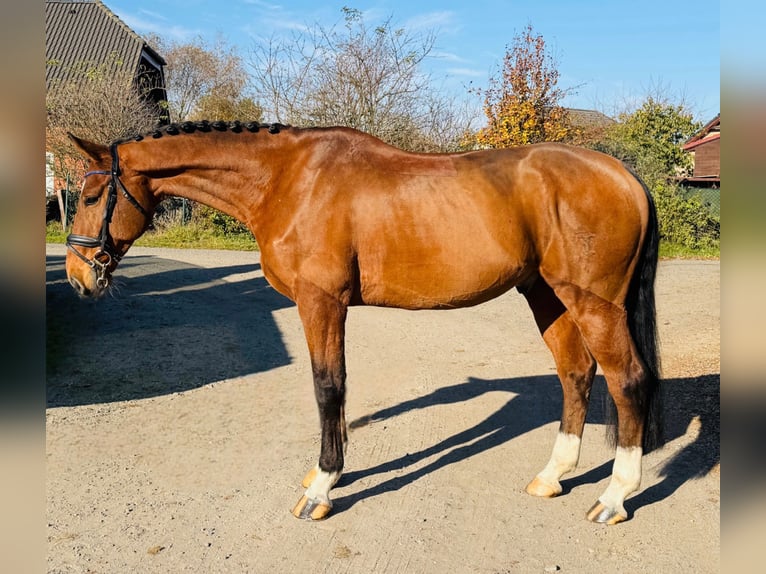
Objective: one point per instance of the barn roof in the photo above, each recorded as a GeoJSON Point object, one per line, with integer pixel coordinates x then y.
{"type": "Point", "coordinates": [86, 32]}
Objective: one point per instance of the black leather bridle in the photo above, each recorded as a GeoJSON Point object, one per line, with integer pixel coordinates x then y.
{"type": "Point", "coordinates": [107, 251]}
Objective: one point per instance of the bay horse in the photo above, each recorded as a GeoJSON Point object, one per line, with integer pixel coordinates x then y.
{"type": "Point", "coordinates": [343, 219]}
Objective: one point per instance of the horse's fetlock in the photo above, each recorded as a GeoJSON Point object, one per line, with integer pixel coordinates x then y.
{"type": "Point", "coordinates": [329, 397]}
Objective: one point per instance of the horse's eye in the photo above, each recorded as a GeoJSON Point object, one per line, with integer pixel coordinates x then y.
{"type": "Point", "coordinates": [92, 200]}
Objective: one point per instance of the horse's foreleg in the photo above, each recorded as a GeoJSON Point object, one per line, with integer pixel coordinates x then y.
{"type": "Point", "coordinates": [315, 503]}
{"type": "Point", "coordinates": [324, 323]}
{"type": "Point", "coordinates": [313, 473]}
{"type": "Point", "coordinates": [576, 369]}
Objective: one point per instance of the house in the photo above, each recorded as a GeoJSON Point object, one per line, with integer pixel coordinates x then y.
{"type": "Point", "coordinates": [589, 125]}
{"type": "Point", "coordinates": [705, 146]}
{"type": "Point", "coordinates": [85, 33]}
{"type": "Point", "coordinates": [588, 119]}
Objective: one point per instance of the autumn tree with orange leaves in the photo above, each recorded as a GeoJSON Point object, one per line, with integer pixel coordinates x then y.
{"type": "Point", "coordinates": [523, 105]}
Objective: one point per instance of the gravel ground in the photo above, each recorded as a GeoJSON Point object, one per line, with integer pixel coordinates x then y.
{"type": "Point", "coordinates": [181, 420]}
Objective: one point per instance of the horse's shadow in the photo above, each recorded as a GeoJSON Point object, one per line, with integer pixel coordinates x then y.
{"type": "Point", "coordinates": [537, 402]}
{"type": "Point", "coordinates": [171, 327]}
{"type": "Point", "coordinates": [169, 312]}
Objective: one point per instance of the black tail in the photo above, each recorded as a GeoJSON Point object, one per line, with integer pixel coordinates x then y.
{"type": "Point", "coordinates": [643, 328]}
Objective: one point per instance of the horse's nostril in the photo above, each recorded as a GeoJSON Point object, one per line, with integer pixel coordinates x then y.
{"type": "Point", "coordinates": [79, 287]}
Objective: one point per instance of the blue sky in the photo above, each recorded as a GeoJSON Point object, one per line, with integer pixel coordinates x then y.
{"type": "Point", "coordinates": [616, 52]}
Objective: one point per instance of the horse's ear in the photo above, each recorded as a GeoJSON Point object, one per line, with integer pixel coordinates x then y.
{"type": "Point", "coordinates": [93, 151]}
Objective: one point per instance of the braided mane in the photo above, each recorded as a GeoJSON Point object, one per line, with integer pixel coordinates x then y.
{"type": "Point", "coordinates": [206, 126]}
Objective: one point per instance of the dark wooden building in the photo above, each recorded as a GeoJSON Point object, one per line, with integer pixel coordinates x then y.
{"type": "Point", "coordinates": [82, 34]}
{"type": "Point", "coordinates": [705, 146]}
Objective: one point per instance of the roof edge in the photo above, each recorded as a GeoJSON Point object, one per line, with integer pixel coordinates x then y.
{"type": "Point", "coordinates": [145, 45]}
{"type": "Point", "coordinates": [703, 140]}
{"type": "Point", "coordinates": [704, 130]}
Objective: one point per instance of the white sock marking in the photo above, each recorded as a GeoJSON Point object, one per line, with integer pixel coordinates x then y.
{"type": "Point", "coordinates": [321, 485]}
{"type": "Point", "coordinates": [564, 458]}
{"type": "Point", "coordinates": [626, 477]}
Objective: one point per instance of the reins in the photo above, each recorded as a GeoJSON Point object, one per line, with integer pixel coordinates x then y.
{"type": "Point", "coordinates": [107, 252]}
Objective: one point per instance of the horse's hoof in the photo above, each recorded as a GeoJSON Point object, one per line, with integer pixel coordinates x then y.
{"type": "Point", "coordinates": [605, 515]}
{"type": "Point", "coordinates": [542, 489]}
{"type": "Point", "coordinates": [309, 478]}
{"type": "Point", "coordinates": [311, 509]}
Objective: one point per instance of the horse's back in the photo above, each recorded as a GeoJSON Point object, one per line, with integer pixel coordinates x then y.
{"type": "Point", "coordinates": [450, 230]}
{"type": "Point", "coordinates": [435, 231]}
{"type": "Point", "coordinates": [453, 230]}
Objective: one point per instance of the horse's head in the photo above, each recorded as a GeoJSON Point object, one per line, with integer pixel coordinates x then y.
{"type": "Point", "coordinates": [114, 209]}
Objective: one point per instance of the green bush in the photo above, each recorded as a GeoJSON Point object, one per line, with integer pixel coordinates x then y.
{"type": "Point", "coordinates": [207, 228]}
{"type": "Point", "coordinates": [650, 140]}
{"type": "Point", "coordinates": [685, 220]}
{"type": "Point", "coordinates": [215, 220]}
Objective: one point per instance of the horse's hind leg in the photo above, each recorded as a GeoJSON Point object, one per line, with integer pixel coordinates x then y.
{"type": "Point", "coordinates": [324, 325]}
{"type": "Point", "coordinates": [604, 327]}
{"type": "Point", "coordinates": [576, 369]}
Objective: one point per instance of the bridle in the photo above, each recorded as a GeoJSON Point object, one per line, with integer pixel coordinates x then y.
{"type": "Point", "coordinates": [107, 252]}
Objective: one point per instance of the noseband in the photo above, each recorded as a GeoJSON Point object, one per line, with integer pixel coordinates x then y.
{"type": "Point", "coordinates": [107, 252]}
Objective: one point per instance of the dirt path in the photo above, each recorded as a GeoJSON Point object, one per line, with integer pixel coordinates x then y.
{"type": "Point", "coordinates": [181, 420]}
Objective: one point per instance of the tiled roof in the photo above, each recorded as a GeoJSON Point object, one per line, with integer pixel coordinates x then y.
{"type": "Point", "coordinates": [709, 132]}
{"type": "Point", "coordinates": [588, 118]}
{"type": "Point", "coordinates": [87, 32]}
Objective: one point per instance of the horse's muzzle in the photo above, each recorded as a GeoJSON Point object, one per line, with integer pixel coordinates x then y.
{"type": "Point", "coordinates": [85, 292]}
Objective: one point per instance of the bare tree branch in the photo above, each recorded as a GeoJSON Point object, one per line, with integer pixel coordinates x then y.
{"type": "Point", "coordinates": [356, 75]}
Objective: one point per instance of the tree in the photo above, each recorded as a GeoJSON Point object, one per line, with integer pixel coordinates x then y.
{"type": "Point", "coordinates": [650, 138]}
{"type": "Point", "coordinates": [99, 103]}
{"type": "Point", "coordinates": [219, 106]}
{"type": "Point", "coordinates": [357, 75]}
{"type": "Point", "coordinates": [523, 105]}
{"type": "Point", "coordinates": [206, 82]}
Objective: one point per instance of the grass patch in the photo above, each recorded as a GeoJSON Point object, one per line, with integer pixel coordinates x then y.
{"type": "Point", "coordinates": [675, 251]}
{"type": "Point", "coordinates": [54, 233]}
{"type": "Point", "coordinates": [195, 236]}
{"type": "Point", "coordinates": [190, 236]}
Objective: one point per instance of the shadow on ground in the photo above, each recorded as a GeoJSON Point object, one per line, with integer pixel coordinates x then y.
{"type": "Point", "coordinates": [170, 327]}
{"type": "Point", "coordinates": [175, 327]}
{"type": "Point", "coordinates": [536, 401]}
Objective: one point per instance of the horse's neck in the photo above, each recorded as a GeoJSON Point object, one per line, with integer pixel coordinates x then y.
{"type": "Point", "coordinates": [233, 178]}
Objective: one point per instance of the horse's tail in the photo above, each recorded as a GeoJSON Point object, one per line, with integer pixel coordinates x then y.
{"type": "Point", "coordinates": [642, 323]}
